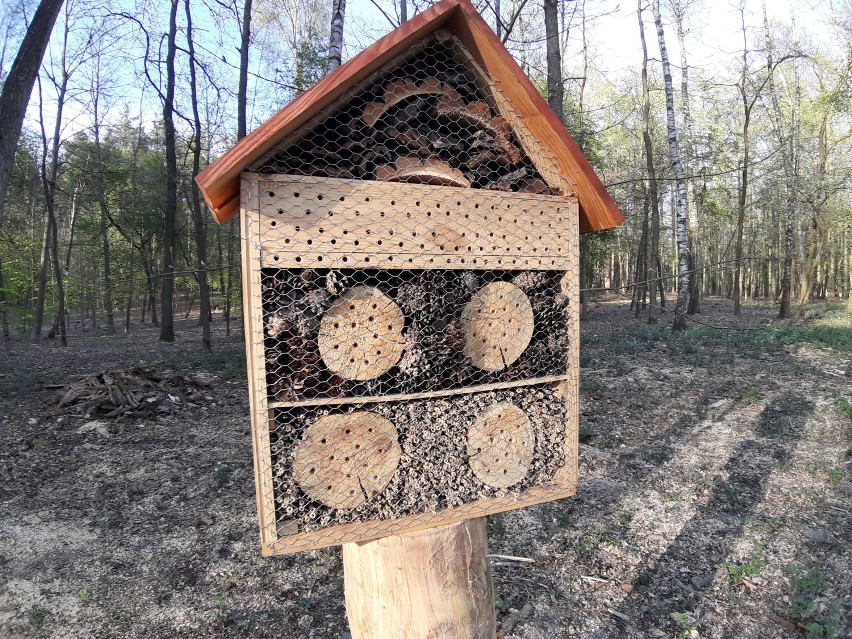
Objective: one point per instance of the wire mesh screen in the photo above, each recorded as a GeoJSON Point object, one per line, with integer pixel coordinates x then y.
{"type": "Point", "coordinates": [411, 285]}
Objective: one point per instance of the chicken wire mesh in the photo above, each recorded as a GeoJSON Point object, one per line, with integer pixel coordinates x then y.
{"type": "Point", "coordinates": [411, 294]}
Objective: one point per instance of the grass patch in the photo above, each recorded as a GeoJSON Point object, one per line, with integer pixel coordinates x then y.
{"type": "Point", "coordinates": [37, 616]}
{"type": "Point", "coordinates": [600, 536]}
{"type": "Point", "coordinates": [750, 396]}
{"type": "Point", "coordinates": [19, 383]}
{"type": "Point", "coordinates": [844, 407]}
{"type": "Point", "coordinates": [833, 330]}
{"type": "Point", "coordinates": [751, 567]}
{"type": "Point", "coordinates": [226, 363]}
{"type": "Point", "coordinates": [806, 583]}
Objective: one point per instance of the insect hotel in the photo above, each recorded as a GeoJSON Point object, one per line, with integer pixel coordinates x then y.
{"type": "Point", "coordinates": [410, 233]}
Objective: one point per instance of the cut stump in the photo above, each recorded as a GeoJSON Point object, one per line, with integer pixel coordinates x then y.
{"type": "Point", "coordinates": [499, 325]}
{"type": "Point", "coordinates": [430, 583]}
{"type": "Point", "coordinates": [360, 337]}
{"type": "Point", "coordinates": [500, 445]}
{"type": "Point", "coordinates": [345, 459]}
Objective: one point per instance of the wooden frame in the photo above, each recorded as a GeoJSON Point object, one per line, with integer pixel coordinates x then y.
{"type": "Point", "coordinates": [279, 536]}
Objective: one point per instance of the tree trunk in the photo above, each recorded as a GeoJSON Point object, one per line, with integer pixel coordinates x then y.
{"type": "Point", "coordinates": [335, 41]}
{"type": "Point", "coordinates": [654, 267]}
{"type": "Point", "coordinates": [4, 317]}
{"type": "Point", "coordinates": [242, 87]}
{"type": "Point", "coordinates": [57, 265]}
{"type": "Point", "coordinates": [167, 324]}
{"type": "Point", "coordinates": [41, 278]}
{"type": "Point", "coordinates": [555, 88]}
{"type": "Point", "coordinates": [683, 278]}
{"type": "Point", "coordinates": [403, 13]}
{"type": "Point", "coordinates": [432, 583]}
{"type": "Point", "coordinates": [788, 160]}
{"type": "Point", "coordinates": [18, 86]}
{"type": "Point", "coordinates": [689, 164]}
{"type": "Point", "coordinates": [198, 215]}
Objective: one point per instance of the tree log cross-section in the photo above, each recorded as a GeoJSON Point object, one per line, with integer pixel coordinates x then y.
{"type": "Point", "coordinates": [499, 324]}
{"type": "Point", "coordinates": [500, 445]}
{"type": "Point", "coordinates": [345, 459]}
{"type": "Point", "coordinates": [360, 337]}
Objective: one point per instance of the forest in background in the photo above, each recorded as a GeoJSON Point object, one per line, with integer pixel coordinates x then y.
{"type": "Point", "coordinates": [733, 179]}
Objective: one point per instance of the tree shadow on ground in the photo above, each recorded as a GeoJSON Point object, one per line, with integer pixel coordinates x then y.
{"type": "Point", "coordinates": [677, 581]}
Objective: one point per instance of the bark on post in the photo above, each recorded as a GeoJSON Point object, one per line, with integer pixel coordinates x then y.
{"type": "Point", "coordinates": [431, 583]}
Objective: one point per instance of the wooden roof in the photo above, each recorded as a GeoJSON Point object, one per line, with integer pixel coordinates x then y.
{"type": "Point", "coordinates": [220, 182]}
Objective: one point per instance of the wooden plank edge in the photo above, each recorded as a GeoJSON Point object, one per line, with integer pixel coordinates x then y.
{"type": "Point", "coordinates": [468, 390]}
{"type": "Point", "coordinates": [260, 416]}
{"type": "Point", "coordinates": [348, 533]}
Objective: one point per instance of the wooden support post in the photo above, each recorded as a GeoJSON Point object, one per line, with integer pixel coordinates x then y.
{"type": "Point", "coordinates": [427, 584]}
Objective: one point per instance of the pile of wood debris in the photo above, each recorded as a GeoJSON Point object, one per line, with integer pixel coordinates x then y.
{"type": "Point", "coordinates": [138, 391]}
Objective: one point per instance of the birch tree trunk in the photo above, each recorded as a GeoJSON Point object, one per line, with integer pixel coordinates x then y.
{"type": "Point", "coordinates": [653, 270]}
{"type": "Point", "coordinates": [683, 278]}
{"type": "Point", "coordinates": [335, 42]}
{"type": "Point", "coordinates": [689, 165]}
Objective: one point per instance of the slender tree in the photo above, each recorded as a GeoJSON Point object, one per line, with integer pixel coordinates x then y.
{"type": "Point", "coordinates": [199, 216]}
{"type": "Point", "coordinates": [653, 270]}
{"type": "Point", "coordinates": [167, 319]}
{"type": "Point", "coordinates": [680, 182]}
{"type": "Point", "coordinates": [555, 86]}
{"type": "Point", "coordinates": [335, 42]}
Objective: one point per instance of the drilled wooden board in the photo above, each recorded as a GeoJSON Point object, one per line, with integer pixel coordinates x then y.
{"type": "Point", "coordinates": [314, 222]}
{"type": "Point", "coordinates": [500, 445]}
{"type": "Point", "coordinates": [360, 337]}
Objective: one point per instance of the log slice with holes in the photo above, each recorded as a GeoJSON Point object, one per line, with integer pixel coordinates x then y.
{"type": "Point", "coordinates": [498, 324]}
{"type": "Point", "coordinates": [360, 337]}
{"type": "Point", "coordinates": [343, 460]}
{"type": "Point", "coordinates": [500, 445]}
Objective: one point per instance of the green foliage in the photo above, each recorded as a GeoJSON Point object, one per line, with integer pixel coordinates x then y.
{"type": "Point", "coordinates": [806, 585]}
{"type": "Point", "coordinates": [844, 407]}
{"type": "Point", "coordinates": [310, 62]}
{"type": "Point", "coordinates": [600, 536]}
{"type": "Point", "coordinates": [750, 396]}
{"type": "Point", "coordinates": [751, 567]}
{"type": "Point", "coordinates": [502, 604]}
{"type": "Point", "coordinates": [37, 616]}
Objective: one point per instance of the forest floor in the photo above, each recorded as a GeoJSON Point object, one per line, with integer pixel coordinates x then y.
{"type": "Point", "coordinates": [715, 495]}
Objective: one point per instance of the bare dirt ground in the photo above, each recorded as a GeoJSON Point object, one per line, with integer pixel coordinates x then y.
{"type": "Point", "coordinates": [715, 496]}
